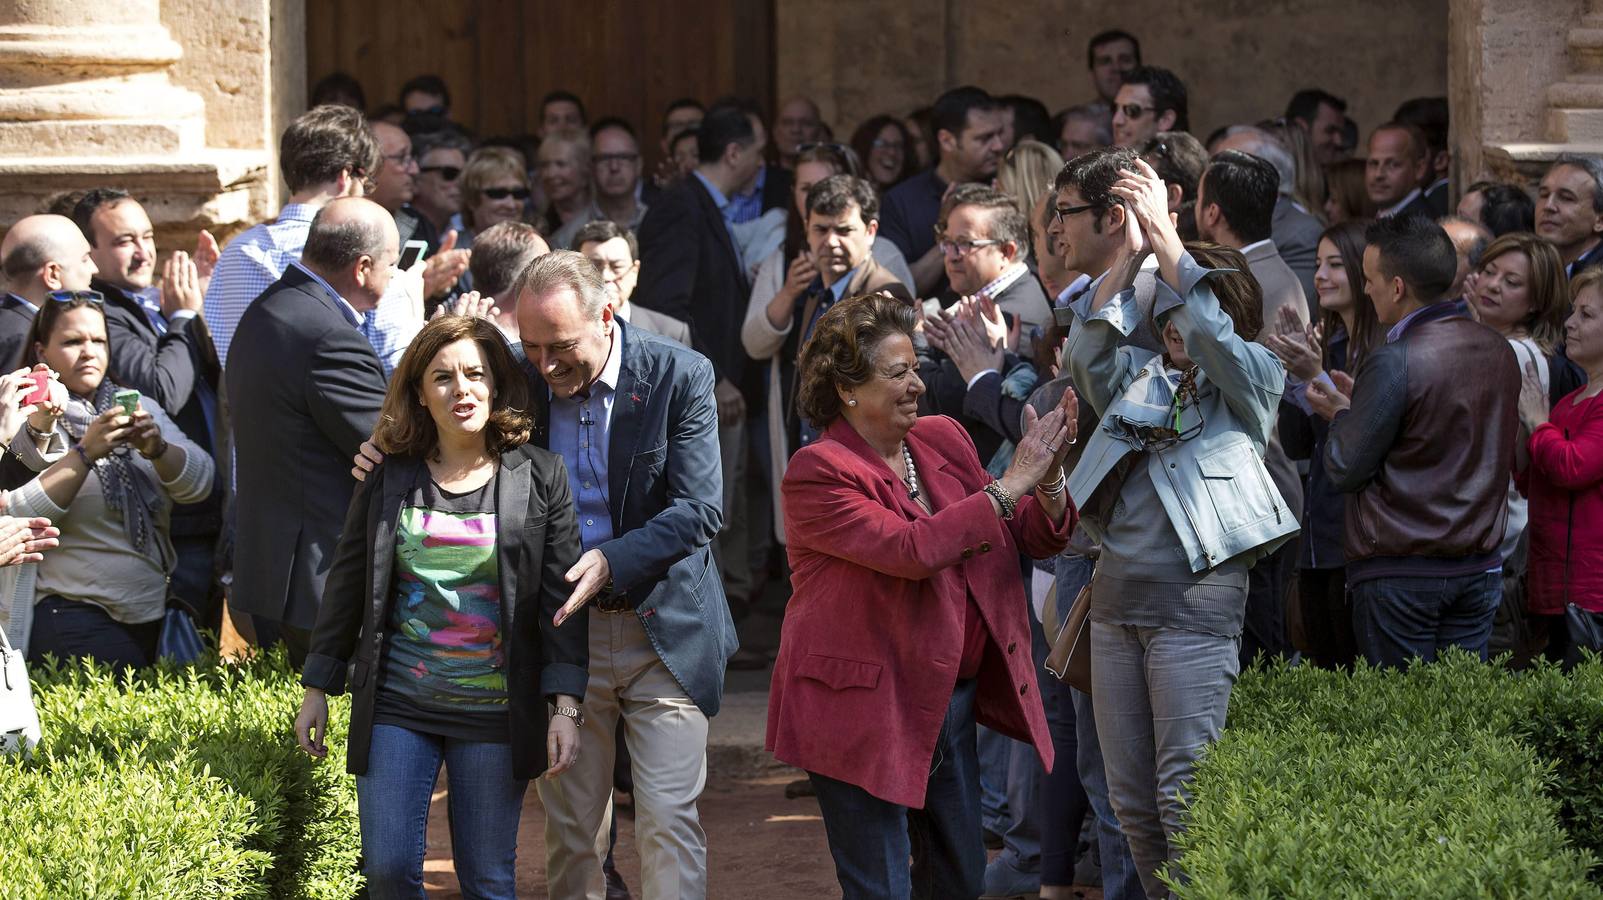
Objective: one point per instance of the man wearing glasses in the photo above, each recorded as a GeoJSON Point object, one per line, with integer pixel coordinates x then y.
{"type": "Point", "coordinates": [441, 156]}
{"type": "Point", "coordinates": [615, 177]}
{"type": "Point", "coordinates": [40, 254]}
{"type": "Point", "coordinates": [1150, 100]}
{"type": "Point", "coordinates": [613, 250]}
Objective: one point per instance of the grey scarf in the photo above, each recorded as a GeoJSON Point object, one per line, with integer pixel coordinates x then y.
{"type": "Point", "coordinates": [128, 489]}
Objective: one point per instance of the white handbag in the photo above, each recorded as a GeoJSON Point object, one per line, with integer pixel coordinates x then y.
{"type": "Point", "coordinates": [19, 720]}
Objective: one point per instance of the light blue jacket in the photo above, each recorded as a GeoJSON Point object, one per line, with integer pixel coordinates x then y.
{"type": "Point", "coordinates": [1213, 486]}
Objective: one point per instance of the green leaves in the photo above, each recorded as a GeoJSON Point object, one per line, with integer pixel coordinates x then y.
{"type": "Point", "coordinates": [177, 782]}
{"type": "Point", "coordinates": [1456, 779]}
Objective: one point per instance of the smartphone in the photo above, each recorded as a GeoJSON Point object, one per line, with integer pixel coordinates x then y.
{"type": "Point", "coordinates": [41, 388]}
{"type": "Point", "coordinates": [128, 400]}
{"type": "Point", "coordinates": [411, 253]}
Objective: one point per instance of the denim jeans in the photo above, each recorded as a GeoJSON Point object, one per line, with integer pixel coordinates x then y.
{"type": "Point", "coordinates": [1161, 697]}
{"type": "Point", "coordinates": [1398, 619]}
{"type": "Point", "coordinates": [69, 629]}
{"type": "Point", "coordinates": [1118, 870]}
{"type": "Point", "coordinates": [995, 753]}
{"type": "Point", "coordinates": [392, 803]}
{"type": "Point", "coordinates": [871, 839]}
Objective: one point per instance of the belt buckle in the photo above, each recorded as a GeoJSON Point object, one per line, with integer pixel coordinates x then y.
{"type": "Point", "coordinates": [612, 601]}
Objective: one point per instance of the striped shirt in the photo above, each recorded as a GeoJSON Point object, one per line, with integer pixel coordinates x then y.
{"type": "Point", "coordinates": [252, 262]}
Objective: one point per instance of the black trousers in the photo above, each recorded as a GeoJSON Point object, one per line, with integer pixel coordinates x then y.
{"type": "Point", "coordinates": [70, 629]}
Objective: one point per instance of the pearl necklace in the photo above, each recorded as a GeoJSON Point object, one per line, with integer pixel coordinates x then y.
{"type": "Point", "coordinates": [911, 478]}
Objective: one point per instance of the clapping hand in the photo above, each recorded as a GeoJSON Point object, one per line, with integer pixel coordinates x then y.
{"type": "Point", "coordinates": [25, 540]}
{"type": "Point", "coordinates": [473, 305]}
{"type": "Point", "coordinates": [445, 266]}
{"type": "Point", "coordinates": [1533, 408]}
{"type": "Point", "coordinates": [1297, 345]}
{"type": "Point", "coordinates": [1329, 399]}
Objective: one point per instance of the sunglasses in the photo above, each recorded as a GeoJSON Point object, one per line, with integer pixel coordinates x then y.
{"type": "Point", "coordinates": [93, 298]}
{"type": "Point", "coordinates": [446, 173]}
{"type": "Point", "coordinates": [521, 193]}
{"type": "Point", "coordinates": [1136, 110]}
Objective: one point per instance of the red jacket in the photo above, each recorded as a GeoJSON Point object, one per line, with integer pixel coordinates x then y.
{"type": "Point", "coordinates": [873, 633]}
{"type": "Point", "coordinates": [1567, 545]}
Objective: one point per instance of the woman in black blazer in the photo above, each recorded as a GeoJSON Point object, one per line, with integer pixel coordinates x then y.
{"type": "Point", "coordinates": [440, 604]}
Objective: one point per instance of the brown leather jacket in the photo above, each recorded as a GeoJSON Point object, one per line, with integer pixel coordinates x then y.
{"type": "Point", "coordinates": [1428, 446]}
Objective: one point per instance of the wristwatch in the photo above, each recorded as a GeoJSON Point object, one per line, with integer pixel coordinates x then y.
{"type": "Point", "coordinates": [572, 712]}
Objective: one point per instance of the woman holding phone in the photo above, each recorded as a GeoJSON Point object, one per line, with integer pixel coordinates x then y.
{"type": "Point", "coordinates": [443, 592]}
{"type": "Point", "coordinates": [110, 487]}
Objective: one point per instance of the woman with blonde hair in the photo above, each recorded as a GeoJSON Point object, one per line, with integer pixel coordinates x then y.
{"type": "Point", "coordinates": [495, 189]}
{"type": "Point", "coordinates": [1026, 171]}
{"type": "Point", "coordinates": [1521, 292]}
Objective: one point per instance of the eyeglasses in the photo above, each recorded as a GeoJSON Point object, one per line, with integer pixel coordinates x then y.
{"type": "Point", "coordinates": [93, 298]}
{"type": "Point", "coordinates": [883, 144]}
{"type": "Point", "coordinates": [446, 173]}
{"type": "Point", "coordinates": [520, 193]}
{"type": "Point", "coordinates": [963, 248]}
{"type": "Point", "coordinates": [1059, 213]}
{"type": "Point", "coordinates": [1136, 110]}
{"type": "Point", "coordinates": [402, 159]}
{"type": "Point", "coordinates": [602, 159]}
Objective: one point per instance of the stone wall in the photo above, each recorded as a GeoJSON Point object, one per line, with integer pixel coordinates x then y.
{"type": "Point", "coordinates": [1241, 59]}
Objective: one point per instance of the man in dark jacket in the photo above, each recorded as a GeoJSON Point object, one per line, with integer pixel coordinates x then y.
{"type": "Point", "coordinates": [691, 270]}
{"type": "Point", "coordinates": [305, 389]}
{"type": "Point", "coordinates": [1426, 455]}
{"type": "Point", "coordinates": [160, 347]}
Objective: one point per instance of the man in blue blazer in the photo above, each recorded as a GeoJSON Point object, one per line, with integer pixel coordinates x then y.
{"type": "Point", "coordinates": [634, 418]}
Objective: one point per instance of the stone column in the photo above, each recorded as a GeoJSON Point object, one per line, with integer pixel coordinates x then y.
{"type": "Point", "coordinates": [87, 99]}
{"type": "Point", "coordinates": [1525, 83]}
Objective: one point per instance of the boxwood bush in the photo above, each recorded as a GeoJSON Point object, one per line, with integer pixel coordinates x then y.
{"type": "Point", "coordinates": [1456, 779]}
{"type": "Point", "coordinates": [177, 782]}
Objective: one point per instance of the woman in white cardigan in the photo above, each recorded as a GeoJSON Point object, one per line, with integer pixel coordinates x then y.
{"type": "Point", "coordinates": [103, 592]}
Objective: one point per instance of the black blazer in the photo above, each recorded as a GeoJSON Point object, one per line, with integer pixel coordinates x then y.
{"type": "Point", "coordinates": [689, 270]}
{"type": "Point", "coordinates": [15, 321]}
{"type": "Point", "coordinates": [537, 541]}
{"type": "Point", "coordinates": [304, 391]}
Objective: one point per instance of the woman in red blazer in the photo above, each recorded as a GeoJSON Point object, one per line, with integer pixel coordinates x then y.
{"type": "Point", "coordinates": [908, 619]}
{"type": "Point", "coordinates": [1564, 478]}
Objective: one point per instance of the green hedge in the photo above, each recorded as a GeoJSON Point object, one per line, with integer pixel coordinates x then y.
{"type": "Point", "coordinates": [177, 782]}
{"type": "Point", "coordinates": [1456, 779]}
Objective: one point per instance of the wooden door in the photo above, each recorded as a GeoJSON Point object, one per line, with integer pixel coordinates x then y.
{"type": "Point", "coordinates": [500, 57]}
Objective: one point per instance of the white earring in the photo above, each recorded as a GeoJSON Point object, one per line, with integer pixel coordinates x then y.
{"type": "Point", "coordinates": [852, 402]}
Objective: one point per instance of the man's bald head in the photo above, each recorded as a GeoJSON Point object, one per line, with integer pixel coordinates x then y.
{"type": "Point", "coordinates": [45, 253]}
{"type": "Point", "coordinates": [352, 245]}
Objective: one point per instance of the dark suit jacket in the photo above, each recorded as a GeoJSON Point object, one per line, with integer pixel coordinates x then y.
{"type": "Point", "coordinates": [537, 541]}
{"type": "Point", "coordinates": [168, 369]}
{"type": "Point", "coordinates": [665, 484]}
{"type": "Point", "coordinates": [690, 270]}
{"type": "Point", "coordinates": [304, 390]}
{"type": "Point", "coordinates": [15, 321]}
{"type": "Point", "coordinates": [1296, 235]}
{"type": "Point", "coordinates": [1419, 206]}
{"type": "Point", "coordinates": [1436, 198]}
{"type": "Point", "coordinates": [778, 188]}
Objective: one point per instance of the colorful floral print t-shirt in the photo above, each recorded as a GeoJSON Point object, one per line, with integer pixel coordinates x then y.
{"type": "Point", "coordinates": [445, 657]}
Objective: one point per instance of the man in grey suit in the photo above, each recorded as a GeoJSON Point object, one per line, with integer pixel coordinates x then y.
{"type": "Point", "coordinates": [1295, 231]}
{"type": "Point", "coordinates": [615, 253]}
{"type": "Point", "coordinates": [1235, 207]}
{"type": "Point", "coordinates": [305, 388]}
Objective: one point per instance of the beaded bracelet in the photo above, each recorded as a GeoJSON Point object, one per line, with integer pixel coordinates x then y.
{"type": "Point", "coordinates": [1007, 501]}
{"type": "Point", "coordinates": [83, 454]}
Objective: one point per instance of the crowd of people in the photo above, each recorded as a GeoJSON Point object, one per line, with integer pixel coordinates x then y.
{"type": "Point", "coordinates": [516, 442]}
